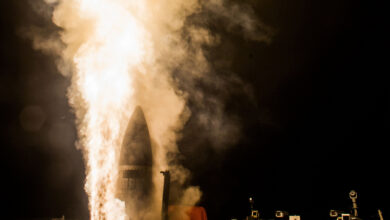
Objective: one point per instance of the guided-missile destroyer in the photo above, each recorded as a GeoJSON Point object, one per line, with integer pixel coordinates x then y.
{"type": "Point", "coordinates": [135, 165]}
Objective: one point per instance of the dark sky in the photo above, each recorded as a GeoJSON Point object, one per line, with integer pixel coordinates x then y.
{"type": "Point", "coordinates": [315, 126]}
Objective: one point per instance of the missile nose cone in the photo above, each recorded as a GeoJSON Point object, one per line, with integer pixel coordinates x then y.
{"type": "Point", "coordinates": [135, 166]}
{"type": "Point", "coordinates": [136, 148]}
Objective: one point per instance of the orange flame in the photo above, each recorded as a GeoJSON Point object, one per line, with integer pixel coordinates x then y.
{"type": "Point", "coordinates": [104, 55]}
{"type": "Point", "coordinates": [123, 53]}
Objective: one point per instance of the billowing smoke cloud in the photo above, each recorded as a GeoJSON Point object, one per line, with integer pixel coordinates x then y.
{"type": "Point", "coordinates": [152, 53]}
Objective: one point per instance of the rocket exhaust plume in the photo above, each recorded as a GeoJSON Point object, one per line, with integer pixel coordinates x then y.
{"type": "Point", "coordinates": [104, 44]}
{"type": "Point", "coordinates": [120, 54]}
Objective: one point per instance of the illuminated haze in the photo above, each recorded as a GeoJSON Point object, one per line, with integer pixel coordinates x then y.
{"type": "Point", "coordinates": [120, 54]}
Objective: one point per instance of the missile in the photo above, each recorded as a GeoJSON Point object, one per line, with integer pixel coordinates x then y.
{"type": "Point", "coordinates": [135, 165]}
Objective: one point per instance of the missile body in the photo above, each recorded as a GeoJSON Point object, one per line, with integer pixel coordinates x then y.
{"type": "Point", "coordinates": [135, 166]}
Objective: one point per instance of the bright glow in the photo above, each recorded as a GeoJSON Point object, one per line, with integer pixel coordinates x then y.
{"type": "Point", "coordinates": [106, 53]}
{"type": "Point", "coordinates": [122, 53]}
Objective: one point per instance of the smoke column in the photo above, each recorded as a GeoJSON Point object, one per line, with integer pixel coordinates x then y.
{"type": "Point", "coordinates": [122, 53]}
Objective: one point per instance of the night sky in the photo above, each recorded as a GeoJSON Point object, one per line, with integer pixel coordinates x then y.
{"type": "Point", "coordinates": [313, 117]}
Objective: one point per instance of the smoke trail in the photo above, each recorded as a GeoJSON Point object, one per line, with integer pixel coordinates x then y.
{"type": "Point", "coordinates": [122, 53]}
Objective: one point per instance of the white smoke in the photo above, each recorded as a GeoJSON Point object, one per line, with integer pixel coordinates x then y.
{"type": "Point", "coordinates": [170, 39]}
